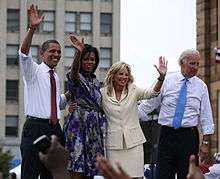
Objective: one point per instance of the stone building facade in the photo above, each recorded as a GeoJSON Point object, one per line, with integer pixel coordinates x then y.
{"type": "Point", "coordinates": [208, 28]}
{"type": "Point", "coordinates": [98, 21]}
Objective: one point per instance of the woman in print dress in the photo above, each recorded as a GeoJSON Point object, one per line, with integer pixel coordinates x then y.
{"type": "Point", "coordinates": [84, 127]}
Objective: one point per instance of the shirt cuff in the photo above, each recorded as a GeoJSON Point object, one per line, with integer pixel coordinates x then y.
{"type": "Point", "coordinates": [63, 97]}
{"type": "Point", "coordinates": [208, 129]}
{"type": "Point", "coordinates": [155, 93]}
{"type": "Point", "coordinates": [24, 56]}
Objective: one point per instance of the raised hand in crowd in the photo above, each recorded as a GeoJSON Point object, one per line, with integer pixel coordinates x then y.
{"type": "Point", "coordinates": [194, 171]}
{"type": "Point", "coordinates": [162, 67]}
{"type": "Point", "coordinates": [55, 159]}
{"type": "Point", "coordinates": [77, 42]}
{"type": "Point", "coordinates": [108, 171]}
{"type": "Point", "coordinates": [34, 18]}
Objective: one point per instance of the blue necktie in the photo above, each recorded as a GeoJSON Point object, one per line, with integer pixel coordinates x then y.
{"type": "Point", "coordinates": [180, 106]}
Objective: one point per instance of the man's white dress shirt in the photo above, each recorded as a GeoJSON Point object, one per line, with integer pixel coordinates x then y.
{"type": "Point", "coordinates": [197, 110]}
{"type": "Point", "coordinates": [37, 89]}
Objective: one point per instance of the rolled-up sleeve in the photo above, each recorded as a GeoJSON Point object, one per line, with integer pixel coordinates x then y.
{"type": "Point", "coordinates": [206, 118]}
{"type": "Point", "coordinates": [146, 93]}
{"type": "Point", "coordinates": [28, 66]}
{"type": "Point", "coordinates": [147, 106]}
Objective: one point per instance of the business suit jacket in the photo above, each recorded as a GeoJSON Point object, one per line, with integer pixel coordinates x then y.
{"type": "Point", "coordinates": [122, 117]}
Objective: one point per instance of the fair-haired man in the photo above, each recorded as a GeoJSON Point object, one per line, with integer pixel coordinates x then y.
{"type": "Point", "coordinates": [184, 104]}
{"type": "Point", "coordinates": [42, 94]}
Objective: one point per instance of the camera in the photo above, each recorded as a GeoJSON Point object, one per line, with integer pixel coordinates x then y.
{"type": "Point", "coordinates": [42, 143]}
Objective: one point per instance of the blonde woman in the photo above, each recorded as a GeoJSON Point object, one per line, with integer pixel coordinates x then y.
{"type": "Point", "coordinates": [125, 138]}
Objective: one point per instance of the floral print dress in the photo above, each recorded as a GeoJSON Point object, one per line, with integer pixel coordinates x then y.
{"type": "Point", "coordinates": [85, 128]}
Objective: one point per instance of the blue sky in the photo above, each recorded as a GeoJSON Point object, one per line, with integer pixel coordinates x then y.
{"type": "Point", "coordinates": [151, 28]}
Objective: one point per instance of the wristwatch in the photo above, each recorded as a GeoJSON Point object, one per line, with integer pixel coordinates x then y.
{"type": "Point", "coordinates": [205, 142]}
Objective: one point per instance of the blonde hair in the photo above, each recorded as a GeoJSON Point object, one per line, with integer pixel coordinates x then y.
{"type": "Point", "coordinates": [111, 73]}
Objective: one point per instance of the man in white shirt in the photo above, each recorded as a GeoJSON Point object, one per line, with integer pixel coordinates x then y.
{"type": "Point", "coordinates": [178, 143]}
{"type": "Point", "coordinates": [42, 93]}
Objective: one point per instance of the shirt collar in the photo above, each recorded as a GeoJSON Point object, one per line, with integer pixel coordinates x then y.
{"type": "Point", "coordinates": [45, 67]}
{"type": "Point", "coordinates": [181, 77]}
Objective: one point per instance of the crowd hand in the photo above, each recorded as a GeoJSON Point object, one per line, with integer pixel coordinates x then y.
{"type": "Point", "coordinates": [194, 171]}
{"type": "Point", "coordinates": [72, 107]}
{"type": "Point", "coordinates": [77, 42]}
{"type": "Point", "coordinates": [108, 171]}
{"type": "Point", "coordinates": [162, 68]}
{"type": "Point", "coordinates": [56, 157]}
{"type": "Point", "coordinates": [34, 18]}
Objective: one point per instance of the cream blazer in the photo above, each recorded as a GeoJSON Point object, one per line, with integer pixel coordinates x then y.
{"type": "Point", "coordinates": [124, 130]}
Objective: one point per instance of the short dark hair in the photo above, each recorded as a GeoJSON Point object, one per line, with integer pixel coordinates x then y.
{"type": "Point", "coordinates": [46, 44]}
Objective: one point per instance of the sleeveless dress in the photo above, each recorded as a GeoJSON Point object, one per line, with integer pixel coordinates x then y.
{"type": "Point", "coordinates": [85, 128]}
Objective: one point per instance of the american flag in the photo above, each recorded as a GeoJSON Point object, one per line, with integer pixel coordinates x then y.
{"type": "Point", "coordinates": [217, 55]}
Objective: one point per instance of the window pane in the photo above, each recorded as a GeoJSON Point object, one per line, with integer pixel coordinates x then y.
{"type": "Point", "coordinates": [12, 90]}
{"type": "Point", "coordinates": [11, 126]}
{"type": "Point", "coordinates": [70, 22]}
{"type": "Point", "coordinates": [35, 53]}
{"type": "Point", "coordinates": [69, 27]}
{"type": "Point", "coordinates": [12, 54]}
{"type": "Point", "coordinates": [106, 23]}
{"type": "Point", "coordinates": [48, 16]}
{"type": "Point", "coordinates": [105, 57]}
{"type": "Point", "coordinates": [85, 21]}
{"type": "Point", "coordinates": [48, 22]}
{"type": "Point", "coordinates": [48, 27]}
{"type": "Point", "coordinates": [12, 20]}
{"type": "Point", "coordinates": [69, 54]}
{"type": "Point", "coordinates": [70, 17]}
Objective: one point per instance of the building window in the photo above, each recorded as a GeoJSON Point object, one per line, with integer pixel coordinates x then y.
{"type": "Point", "coordinates": [13, 20]}
{"type": "Point", "coordinates": [106, 23]}
{"type": "Point", "coordinates": [70, 22]}
{"type": "Point", "coordinates": [85, 22]}
{"type": "Point", "coordinates": [12, 90]}
{"type": "Point", "coordinates": [11, 126]}
{"type": "Point", "coordinates": [68, 57]}
{"type": "Point", "coordinates": [35, 53]}
{"type": "Point", "coordinates": [12, 54]}
{"type": "Point", "coordinates": [48, 24]}
{"type": "Point", "coordinates": [105, 58]}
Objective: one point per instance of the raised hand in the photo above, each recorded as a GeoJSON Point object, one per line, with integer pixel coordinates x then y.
{"type": "Point", "coordinates": [77, 42]}
{"type": "Point", "coordinates": [108, 171]}
{"type": "Point", "coordinates": [34, 18]}
{"type": "Point", "coordinates": [194, 171]}
{"type": "Point", "coordinates": [56, 157]}
{"type": "Point", "coordinates": [162, 68]}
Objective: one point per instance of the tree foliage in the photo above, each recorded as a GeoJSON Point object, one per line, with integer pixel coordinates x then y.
{"type": "Point", "coordinates": [5, 157]}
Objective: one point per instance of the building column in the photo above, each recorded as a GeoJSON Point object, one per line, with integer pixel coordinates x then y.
{"type": "Point", "coordinates": [116, 31]}
{"type": "Point", "coordinates": [3, 67]}
{"type": "Point", "coordinates": [96, 27]}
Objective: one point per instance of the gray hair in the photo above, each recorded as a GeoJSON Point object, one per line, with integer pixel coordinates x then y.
{"type": "Point", "coordinates": [187, 53]}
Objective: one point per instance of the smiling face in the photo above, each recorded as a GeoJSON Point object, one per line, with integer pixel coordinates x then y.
{"type": "Point", "coordinates": [51, 56]}
{"type": "Point", "coordinates": [120, 78]}
{"type": "Point", "coordinates": [89, 62]}
{"type": "Point", "coordinates": [190, 65]}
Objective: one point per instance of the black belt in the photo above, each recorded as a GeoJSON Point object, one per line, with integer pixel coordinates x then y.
{"type": "Point", "coordinates": [179, 129]}
{"type": "Point", "coordinates": [37, 119]}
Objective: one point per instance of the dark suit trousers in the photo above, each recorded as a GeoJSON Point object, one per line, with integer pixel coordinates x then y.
{"type": "Point", "coordinates": [31, 166]}
{"type": "Point", "coordinates": [174, 150]}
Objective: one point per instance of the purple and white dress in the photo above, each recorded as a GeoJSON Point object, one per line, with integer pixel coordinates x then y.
{"type": "Point", "coordinates": [85, 128]}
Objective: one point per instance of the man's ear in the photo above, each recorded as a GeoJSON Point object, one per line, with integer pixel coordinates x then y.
{"type": "Point", "coordinates": [41, 54]}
